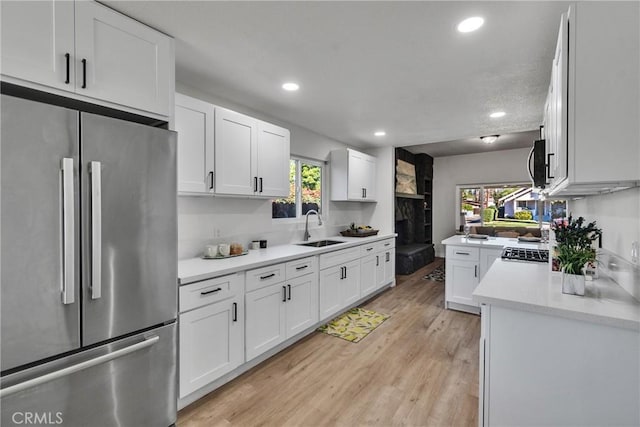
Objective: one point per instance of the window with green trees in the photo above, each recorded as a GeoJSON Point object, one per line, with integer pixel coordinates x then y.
{"type": "Point", "coordinates": [305, 190]}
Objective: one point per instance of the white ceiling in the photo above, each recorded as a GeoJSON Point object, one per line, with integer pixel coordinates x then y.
{"type": "Point", "coordinates": [364, 66]}
{"type": "Point", "coordinates": [475, 145]}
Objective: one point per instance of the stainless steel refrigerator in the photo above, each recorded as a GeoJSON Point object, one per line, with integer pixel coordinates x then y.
{"type": "Point", "coordinates": [88, 268]}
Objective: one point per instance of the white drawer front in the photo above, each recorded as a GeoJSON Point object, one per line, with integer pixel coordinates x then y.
{"type": "Point", "coordinates": [463, 253]}
{"type": "Point", "coordinates": [369, 249]}
{"type": "Point", "coordinates": [386, 244]}
{"type": "Point", "coordinates": [209, 291]}
{"type": "Point", "coordinates": [300, 267]}
{"type": "Point", "coordinates": [339, 257]}
{"type": "Point", "coordinates": [265, 276]}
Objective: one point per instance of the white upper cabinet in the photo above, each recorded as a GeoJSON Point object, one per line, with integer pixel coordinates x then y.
{"type": "Point", "coordinates": [122, 61]}
{"type": "Point", "coordinates": [88, 51]}
{"type": "Point", "coordinates": [194, 122]}
{"type": "Point", "coordinates": [38, 42]}
{"type": "Point", "coordinates": [252, 156]}
{"type": "Point", "coordinates": [235, 140]}
{"type": "Point", "coordinates": [353, 176]}
{"type": "Point", "coordinates": [594, 104]}
{"type": "Point", "coordinates": [273, 160]}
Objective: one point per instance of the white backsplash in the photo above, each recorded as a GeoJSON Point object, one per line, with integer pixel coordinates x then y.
{"type": "Point", "coordinates": [618, 215]}
{"type": "Point", "coordinates": [212, 220]}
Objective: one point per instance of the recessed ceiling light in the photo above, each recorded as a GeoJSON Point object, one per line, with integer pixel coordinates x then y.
{"type": "Point", "coordinates": [380, 133]}
{"type": "Point", "coordinates": [290, 86]}
{"type": "Point", "coordinates": [489, 139]}
{"type": "Point", "coordinates": [497, 114]}
{"type": "Point", "coordinates": [470, 24]}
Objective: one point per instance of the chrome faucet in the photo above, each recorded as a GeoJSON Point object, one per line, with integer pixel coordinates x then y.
{"type": "Point", "coordinates": [306, 224]}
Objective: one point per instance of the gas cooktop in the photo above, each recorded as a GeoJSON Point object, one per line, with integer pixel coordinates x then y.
{"type": "Point", "coordinates": [520, 254]}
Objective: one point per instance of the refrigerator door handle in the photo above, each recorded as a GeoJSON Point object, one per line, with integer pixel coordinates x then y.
{"type": "Point", "coordinates": [95, 169]}
{"type": "Point", "coordinates": [78, 367]}
{"type": "Point", "coordinates": [68, 220]}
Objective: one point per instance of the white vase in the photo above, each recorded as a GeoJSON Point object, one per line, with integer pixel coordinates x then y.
{"type": "Point", "coordinates": [572, 284]}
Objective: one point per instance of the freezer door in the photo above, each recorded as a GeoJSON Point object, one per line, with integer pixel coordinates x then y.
{"type": "Point", "coordinates": [130, 382]}
{"type": "Point", "coordinates": [40, 308]}
{"type": "Point", "coordinates": [129, 207]}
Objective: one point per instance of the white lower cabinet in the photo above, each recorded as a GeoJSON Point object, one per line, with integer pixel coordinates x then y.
{"type": "Point", "coordinates": [278, 311]}
{"type": "Point", "coordinates": [330, 301]}
{"type": "Point", "coordinates": [212, 332]}
{"type": "Point", "coordinates": [266, 314]}
{"type": "Point", "coordinates": [350, 285]}
{"type": "Point", "coordinates": [389, 266]}
{"type": "Point", "coordinates": [465, 267]}
{"type": "Point", "coordinates": [369, 273]}
{"type": "Point", "coordinates": [339, 280]}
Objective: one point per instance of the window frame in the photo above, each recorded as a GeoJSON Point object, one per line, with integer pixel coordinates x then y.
{"type": "Point", "coordinates": [298, 189]}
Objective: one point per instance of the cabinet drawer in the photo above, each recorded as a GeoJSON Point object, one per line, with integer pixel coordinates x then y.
{"type": "Point", "coordinates": [463, 253]}
{"type": "Point", "coordinates": [339, 257]}
{"type": "Point", "coordinates": [209, 291]}
{"type": "Point", "coordinates": [265, 276]}
{"type": "Point", "coordinates": [300, 267]}
{"type": "Point", "coordinates": [369, 249]}
{"type": "Point", "coordinates": [386, 244]}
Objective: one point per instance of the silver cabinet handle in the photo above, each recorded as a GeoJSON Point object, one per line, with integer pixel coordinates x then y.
{"type": "Point", "coordinates": [68, 221]}
{"type": "Point", "coordinates": [96, 229]}
{"type": "Point", "coordinates": [78, 367]}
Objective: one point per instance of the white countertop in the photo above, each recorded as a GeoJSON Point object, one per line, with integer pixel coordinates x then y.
{"type": "Point", "coordinates": [492, 242]}
{"type": "Point", "coordinates": [196, 269]}
{"type": "Point", "coordinates": [533, 287]}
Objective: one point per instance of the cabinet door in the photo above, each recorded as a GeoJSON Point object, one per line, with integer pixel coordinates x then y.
{"type": "Point", "coordinates": [558, 108]}
{"type": "Point", "coordinates": [380, 264]}
{"type": "Point", "coordinates": [211, 341]}
{"type": "Point", "coordinates": [330, 282]}
{"type": "Point", "coordinates": [126, 62]}
{"type": "Point", "coordinates": [350, 286]}
{"type": "Point", "coordinates": [461, 281]}
{"type": "Point", "coordinates": [302, 303]}
{"type": "Point", "coordinates": [356, 175]}
{"type": "Point", "coordinates": [369, 166]}
{"type": "Point", "coordinates": [235, 145]}
{"type": "Point", "coordinates": [487, 257]}
{"type": "Point", "coordinates": [389, 266]}
{"type": "Point", "coordinates": [273, 160]}
{"type": "Point", "coordinates": [368, 274]}
{"type": "Point", "coordinates": [194, 124]}
{"type": "Point", "coordinates": [266, 326]}
{"type": "Point", "coordinates": [36, 36]}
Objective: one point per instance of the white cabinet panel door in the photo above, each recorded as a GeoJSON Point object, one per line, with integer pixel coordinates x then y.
{"type": "Point", "coordinates": [36, 37]}
{"type": "Point", "coordinates": [389, 266]}
{"type": "Point", "coordinates": [350, 286]}
{"type": "Point", "coordinates": [211, 343]}
{"type": "Point", "coordinates": [461, 281]}
{"type": "Point", "coordinates": [357, 175]}
{"type": "Point", "coordinates": [266, 326]}
{"type": "Point", "coordinates": [330, 282]}
{"type": "Point", "coordinates": [195, 123]}
{"type": "Point", "coordinates": [368, 274]}
{"type": "Point", "coordinates": [121, 60]}
{"type": "Point", "coordinates": [487, 257]}
{"type": "Point", "coordinates": [235, 136]}
{"type": "Point", "coordinates": [273, 160]}
{"type": "Point", "coordinates": [302, 303]}
{"type": "Point", "coordinates": [369, 183]}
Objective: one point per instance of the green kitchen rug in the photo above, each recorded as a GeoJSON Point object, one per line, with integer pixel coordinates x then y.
{"type": "Point", "coordinates": [354, 325]}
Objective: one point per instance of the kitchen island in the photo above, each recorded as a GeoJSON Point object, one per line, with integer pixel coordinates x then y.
{"type": "Point", "coordinates": [547, 358]}
{"type": "Point", "coordinates": [467, 261]}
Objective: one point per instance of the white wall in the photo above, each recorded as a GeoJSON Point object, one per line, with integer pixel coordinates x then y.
{"type": "Point", "coordinates": [495, 167]}
{"type": "Point", "coordinates": [210, 220]}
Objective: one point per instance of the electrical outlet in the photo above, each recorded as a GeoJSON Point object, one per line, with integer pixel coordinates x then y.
{"type": "Point", "coordinates": [635, 252]}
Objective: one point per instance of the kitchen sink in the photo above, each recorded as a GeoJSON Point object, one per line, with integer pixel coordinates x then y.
{"type": "Point", "coordinates": [320, 243]}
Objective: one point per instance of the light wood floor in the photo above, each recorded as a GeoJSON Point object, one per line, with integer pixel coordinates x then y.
{"type": "Point", "coordinates": [419, 368]}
